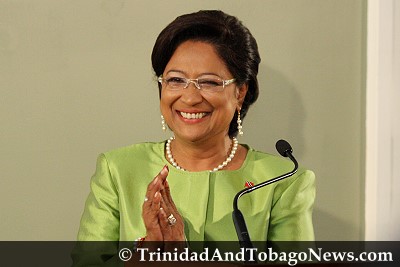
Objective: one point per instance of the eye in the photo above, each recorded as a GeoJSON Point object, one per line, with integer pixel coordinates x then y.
{"type": "Point", "coordinates": [209, 83]}
{"type": "Point", "coordinates": [175, 81]}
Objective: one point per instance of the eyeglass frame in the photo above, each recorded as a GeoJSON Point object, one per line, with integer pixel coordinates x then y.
{"type": "Point", "coordinates": [160, 79]}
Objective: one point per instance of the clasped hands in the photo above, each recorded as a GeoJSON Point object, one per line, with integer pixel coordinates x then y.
{"type": "Point", "coordinates": [160, 215]}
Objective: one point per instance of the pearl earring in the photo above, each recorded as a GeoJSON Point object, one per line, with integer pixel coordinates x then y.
{"type": "Point", "coordinates": [163, 124]}
{"type": "Point", "coordinates": [239, 124]}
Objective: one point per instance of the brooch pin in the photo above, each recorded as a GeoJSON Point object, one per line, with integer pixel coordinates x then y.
{"type": "Point", "coordinates": [248, 184]}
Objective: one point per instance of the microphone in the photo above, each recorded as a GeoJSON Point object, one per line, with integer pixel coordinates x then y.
{"type": "Point", "coordinates": [285, 150]}
{"type": "Point", "coordinates": [283, 147]}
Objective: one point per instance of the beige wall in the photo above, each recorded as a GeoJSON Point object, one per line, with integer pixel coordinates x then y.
{"type": "Point", "coordinates": [75, 80]}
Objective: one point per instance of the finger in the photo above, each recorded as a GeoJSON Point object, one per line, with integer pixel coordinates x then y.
{"type": "Point", "coordinates": [156, 203]}
{"type": "Point", "coordinates": [164, 173]}
{"type": "Point", "coordinates": [152, 201]}
{"type": "Point", "coordinates": [152, 188]}
{"type": "Point", "coordinates": [165, 227]}
{"type": "Point", "coordinates": [151, 206]}
{"type": "Point", "coordinates": [162, 216]}
{"type": "Point", "coordinates": [155, 186]}
{"type": "Point", "coordinates": [171, 209]}
{"type": "Point", "coordinates": [166, 198]}
{"type": "Point", "coordinates": [166, 193]}
{"type": "Point", "coordinates": [165, 206]}
{"type": "Point", "coordinates": [150, 210]}
{"type": "Point", "coordinates": [174, 232]}
{"type": "Point", "coordinates": [150, 219]}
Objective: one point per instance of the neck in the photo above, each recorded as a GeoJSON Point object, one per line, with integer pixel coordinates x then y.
{"type": "Point", "coordinates": [201, 155]}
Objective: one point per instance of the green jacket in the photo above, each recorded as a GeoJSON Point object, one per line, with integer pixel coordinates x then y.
{"type": "Point", "coordinates": [280, 211]}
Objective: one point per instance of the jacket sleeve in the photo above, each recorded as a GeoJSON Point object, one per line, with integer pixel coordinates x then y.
{"type": "Point", "coordinates": [291, 214]}
{"type": "Point", "coordinates": [100, 220]}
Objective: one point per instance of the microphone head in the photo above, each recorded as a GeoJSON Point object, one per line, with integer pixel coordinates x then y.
{"type": "Point", "coordinates": [283, 147]}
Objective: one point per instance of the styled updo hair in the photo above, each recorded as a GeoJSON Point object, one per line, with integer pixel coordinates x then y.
{"type": "Point", "coordinates": [232, 41]}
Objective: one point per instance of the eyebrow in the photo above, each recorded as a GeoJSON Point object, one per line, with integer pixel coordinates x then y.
{"type": "Point", "coordinates": [180, 71]}
{"type": "Point", "coordinates": [201, 74]}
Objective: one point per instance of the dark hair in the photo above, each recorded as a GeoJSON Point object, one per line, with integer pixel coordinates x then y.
{"type": "Point", "coordinates": [232, 41]}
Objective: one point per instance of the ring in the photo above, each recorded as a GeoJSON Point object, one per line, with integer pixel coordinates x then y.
{"type": "Point", "coordinates": [171, 220]}
{"type": "Point", "coordinates": [145, 199]}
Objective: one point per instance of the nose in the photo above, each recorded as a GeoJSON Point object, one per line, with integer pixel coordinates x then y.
{"type": "Point", "coordinates": [194, 81]}
{"type": "Point", "coordinates": [191, 95]}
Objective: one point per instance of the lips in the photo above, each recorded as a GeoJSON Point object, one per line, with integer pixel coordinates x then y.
{"type": "Point", "coordinates": [192, 116]}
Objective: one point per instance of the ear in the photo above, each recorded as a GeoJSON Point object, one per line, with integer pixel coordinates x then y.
{"type": "Point", "coordinates": [241, 94]}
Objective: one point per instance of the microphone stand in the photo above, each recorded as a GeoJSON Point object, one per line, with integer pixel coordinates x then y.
{"type": "Point", "coordinates": [238, 220]}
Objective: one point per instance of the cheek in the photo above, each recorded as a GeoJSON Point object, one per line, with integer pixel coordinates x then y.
{"type": "Point", "coordinates": [166, 102]}
{"type": "Point", "coordinates": [163, 104]}
{"type": "Point", "coordinates": [230, 101]}
{"type": "Point", "coordinates": [224, 107]}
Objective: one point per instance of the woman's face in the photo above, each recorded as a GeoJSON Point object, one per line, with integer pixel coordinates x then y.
{"type": "Point", "coordinates": [192, 114]}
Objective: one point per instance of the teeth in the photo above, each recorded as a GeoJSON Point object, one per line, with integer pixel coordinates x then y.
{"type": "Point", "coordinates": [193, 115]}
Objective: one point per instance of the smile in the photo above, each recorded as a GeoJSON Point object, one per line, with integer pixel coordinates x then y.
{"type": "Point", "coordinates": [193, 115]}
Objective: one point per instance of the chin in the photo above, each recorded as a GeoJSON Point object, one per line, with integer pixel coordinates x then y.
{"type": "Point", "coordinates": [190, 137]}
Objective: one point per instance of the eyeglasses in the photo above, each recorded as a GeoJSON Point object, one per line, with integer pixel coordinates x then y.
{"type": "Point", "coordinates": [207, 84]}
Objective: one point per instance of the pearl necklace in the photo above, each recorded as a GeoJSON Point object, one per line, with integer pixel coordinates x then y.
{"type": "Point", "coordinates": [222, 165]}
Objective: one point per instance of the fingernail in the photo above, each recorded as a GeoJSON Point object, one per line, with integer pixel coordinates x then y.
{"type": "Point", "coordinates": [155, 181]}
{"type": "Point", "coordinates": [162, 212]}
{"type": "Point", "coordinates": [165, 170]}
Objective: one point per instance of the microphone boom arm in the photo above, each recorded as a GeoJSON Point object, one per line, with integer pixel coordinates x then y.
{"type": "Point", "coordinates": [238, 219]}
{"type": "Point", "coordinates": [257, 186]}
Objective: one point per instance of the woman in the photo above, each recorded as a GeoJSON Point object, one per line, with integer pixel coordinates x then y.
{"type": "Point", "coordinates": [206, 64]}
